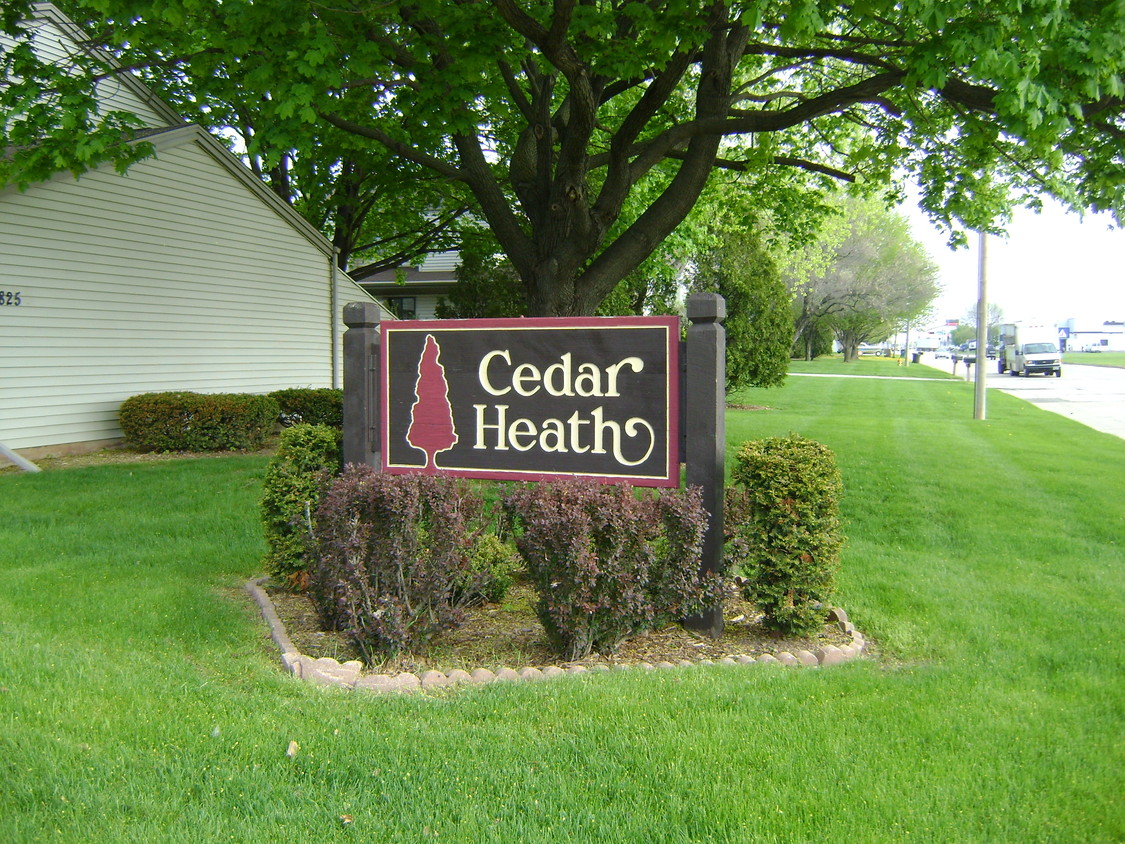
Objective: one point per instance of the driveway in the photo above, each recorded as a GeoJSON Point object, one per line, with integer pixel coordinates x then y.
{"type": "Point", "coordinates": [1092, 395]}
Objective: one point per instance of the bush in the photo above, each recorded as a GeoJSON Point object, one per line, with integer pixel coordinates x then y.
{"type": "Point", "coordinates": [309, 406]}
{"type": "Point", "coordinates": [180, 421]}
{"type": "Point", "coordinates": [607, 563]}
{"type": "Point", "coordinates": [307, 458]}
{"type": "Point", "coordinates": [492, 568]}
{"type": "Point", "coordinates": [391, 552]}
{"type": "Point", "coordinates": [783, 529]}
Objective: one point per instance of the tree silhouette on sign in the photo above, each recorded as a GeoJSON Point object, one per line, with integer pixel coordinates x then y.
{"type": "Point", "coordinates": [431, 418]}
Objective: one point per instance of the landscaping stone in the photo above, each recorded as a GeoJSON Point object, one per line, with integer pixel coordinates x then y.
{"type": "Point", "coordinates": [483, 675]}
{"type": "Point", "coordinates": [530, 673]}
{"type": "Point", "coordinates": [726, 660]}
{"type": "Point", "coordinates": [577, 669]}
{"type": "Point", "coordinates": [829, 655]}
{"type": "Point", "coordinates": [807, 658]}
{"type": "Point", "coordinates": [769, 659]}
{"type": "Point", "coordinates": [407, 682]}
{"type": "Point", "coordinates": [292, 661]}
{"type": "Point", "coordinates": [458, 676]}
{"type": "Point", "coordinates": [507, 674]}
{"type": "Point", "coordinates": [433, 679]}
{"type": "Point", "coordinates": [665, 664]}
{"type": "Point", "coordinates": [786, 658]}
{"type": "Point", "coordinates": [743, 659]}
{"type": "Point", "coordinates": [377, 683]}
{"type": "Point", "coordinates": [837, 615]}
{"type": "Point", "coordinates": [553, 671]}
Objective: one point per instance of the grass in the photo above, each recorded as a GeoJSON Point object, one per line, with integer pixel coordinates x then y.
{"type": "Point", "coordinates": [1095, 358]}
{"type": "Point", "coordinates": [872, 365]}
{"type": "Point", "coordinates": [140, 700]}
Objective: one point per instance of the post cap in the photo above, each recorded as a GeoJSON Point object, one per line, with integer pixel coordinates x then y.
{"type": "Point", "coordinates": [706, 307]}
{"type": "Point", "coordinates": [360, 314]}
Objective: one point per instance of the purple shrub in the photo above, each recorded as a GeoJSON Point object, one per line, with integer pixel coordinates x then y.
{"type": "Point", "coordinates": [390, 551]}
{"type": "Point", "coordinates": [608, 563]}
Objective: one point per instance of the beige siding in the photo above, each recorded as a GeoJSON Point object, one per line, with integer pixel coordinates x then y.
{"type": "Point", "coordinates": [175, 276]}
{"type": "Point", "coordinates": [52, 44]}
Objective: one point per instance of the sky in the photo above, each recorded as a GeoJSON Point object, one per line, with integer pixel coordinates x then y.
{"type": "Point", "coordinates": [1051, 267]}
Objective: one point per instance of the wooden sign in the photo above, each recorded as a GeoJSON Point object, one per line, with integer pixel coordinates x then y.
{"type": "Point", "coordinates": [532, 399]}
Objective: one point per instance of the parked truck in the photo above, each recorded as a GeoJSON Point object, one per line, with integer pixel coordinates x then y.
{"type": "Point", "coordinates": [1027, 348]}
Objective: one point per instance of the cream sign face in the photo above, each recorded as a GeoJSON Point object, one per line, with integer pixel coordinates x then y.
{"type": "Point", "coordinates": [528, 399]}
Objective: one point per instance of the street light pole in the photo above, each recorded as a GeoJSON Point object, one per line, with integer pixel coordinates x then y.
{"type": "Point", "coordinates": [982, 331]}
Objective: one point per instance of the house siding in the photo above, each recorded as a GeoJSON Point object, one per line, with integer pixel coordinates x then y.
{"type": "Point", "coordinates": [173, 277]}
{"type": "Point", "coordinates": [51, 44]}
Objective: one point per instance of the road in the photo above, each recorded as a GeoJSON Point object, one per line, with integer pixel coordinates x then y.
{"type": "Point", "coordinates": [1092, 395]}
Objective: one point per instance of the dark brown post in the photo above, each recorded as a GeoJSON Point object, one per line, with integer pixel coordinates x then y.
{"type": "Point", "coordinates": [705, 424]}
{"type": "Point", "coordinates": [361, 384]}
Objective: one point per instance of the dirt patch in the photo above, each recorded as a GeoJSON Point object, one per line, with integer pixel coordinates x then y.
{"type": "Point", "coordinates": [508, 635]}
{"type": "Point", "coordinates": [120, 454]}
{"type": "Point", "coordinates": [748, 407]}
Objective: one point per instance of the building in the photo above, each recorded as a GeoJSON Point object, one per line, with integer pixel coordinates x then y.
{"type": "Point", "coordinates": [186, 273]}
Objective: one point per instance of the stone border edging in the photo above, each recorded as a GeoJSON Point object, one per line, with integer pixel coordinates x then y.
{"type": "Point", "coordinates": [327, 671]}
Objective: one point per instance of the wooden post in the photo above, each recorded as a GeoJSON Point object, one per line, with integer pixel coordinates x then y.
{"type": "Point", "coordinates": [361, 384]}
{"type": "Point", "coordinates": [705, 425]}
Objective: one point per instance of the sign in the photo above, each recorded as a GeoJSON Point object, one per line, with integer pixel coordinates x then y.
{"type": "Point", "coordinates": [532, 399]}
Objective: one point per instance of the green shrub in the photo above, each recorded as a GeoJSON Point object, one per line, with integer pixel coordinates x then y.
{"type": "Point", "coordinates": [392, 565]}
{"type": "Point", "coordinates": [608, 563]}
{"type": "Point", "coordinates": [182, 421]}
{"type": "Point", "coordinates": [783, 529]}
{"type": "Point", "coordinates": [310, 406]}
{"type": "Point", "coordinates": [307, 458]}
{"type": "Point", "coordinates": [492, 568]}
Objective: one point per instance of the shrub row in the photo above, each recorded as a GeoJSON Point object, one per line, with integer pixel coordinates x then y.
{"type": "Point", "coordinates": [396, 559]}
{"type": "Point", "coordinates": [310, 406]}
{"type": "Point", "coordinates": [183, 421]}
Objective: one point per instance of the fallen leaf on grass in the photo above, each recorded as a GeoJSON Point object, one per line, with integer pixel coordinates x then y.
{"type": "Point", "coordinates": [293, 748]}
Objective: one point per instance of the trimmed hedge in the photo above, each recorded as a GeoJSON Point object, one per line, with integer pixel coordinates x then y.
{"type": "Point", "coordinates": [306, 461]}
{"type": "Point", "coordinates": [783, 529]}
{"type": "Point", "coordinates": [310, 406]}
{"type": "Point", "coordinates": [393, 564]}
{"type": "Point", "coordinates": [184, 421]}
{"type": "Point", "coordinates": [608, 563]}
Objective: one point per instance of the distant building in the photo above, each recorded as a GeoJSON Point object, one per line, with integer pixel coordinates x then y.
{"type": "Point", "coordinates": [1084, 335]}
{"type": "Point", "coordinates": [414, 292]}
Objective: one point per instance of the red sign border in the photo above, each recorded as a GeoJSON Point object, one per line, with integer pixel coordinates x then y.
{"type": "Point", "coordinates": [670, 323]}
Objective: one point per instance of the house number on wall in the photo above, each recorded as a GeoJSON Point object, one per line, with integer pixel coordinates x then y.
{"type": "Point", "coordinates": [10, 297]}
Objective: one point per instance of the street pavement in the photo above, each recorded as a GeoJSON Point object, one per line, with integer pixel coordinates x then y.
{"type": "Point", "coordinates": [1092, 395]}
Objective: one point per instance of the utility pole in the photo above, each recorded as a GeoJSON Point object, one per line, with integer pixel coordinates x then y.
{"type": "Point", "coordinates": [982, 332]}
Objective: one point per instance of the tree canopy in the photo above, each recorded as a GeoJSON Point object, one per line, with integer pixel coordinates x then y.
{"type": "Point", "coordinates": [584, 133]}
{"type": "Point", "coordinates": [869, 278]}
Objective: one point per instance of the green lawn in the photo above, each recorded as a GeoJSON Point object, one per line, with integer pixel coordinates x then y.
{"type": "Point", "coordinates": [140, 700]}
{"type": "Point", "coordinates": [865, 365]}
{"type": "Point", "coordinates": [1095, 358]}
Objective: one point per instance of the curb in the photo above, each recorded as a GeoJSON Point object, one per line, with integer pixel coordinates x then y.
{"type": "Point", "coordinates": [327, 671]}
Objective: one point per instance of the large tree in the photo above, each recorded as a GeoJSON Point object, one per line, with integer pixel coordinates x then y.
{"type": "Point", "coordinates": [871, 277]}
{"type": "Point", "coordinates": [555, 116]}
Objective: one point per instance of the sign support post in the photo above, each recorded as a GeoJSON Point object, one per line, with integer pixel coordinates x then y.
{"type": "Point", "coordinates": [361, 384]}
{"type": "Point", "coordinates": [705, 425]}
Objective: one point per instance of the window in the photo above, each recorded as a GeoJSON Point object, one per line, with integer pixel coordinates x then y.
{"type": "Point", "coordinates": [403, 307]}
